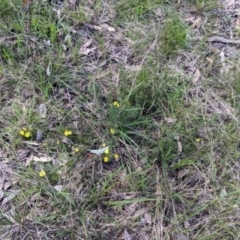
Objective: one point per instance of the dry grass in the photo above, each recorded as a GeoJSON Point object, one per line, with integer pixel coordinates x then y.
{"type": "Point", "coordinates": [175, 130]}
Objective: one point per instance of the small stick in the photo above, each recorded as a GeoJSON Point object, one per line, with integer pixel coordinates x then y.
{"type": "Point", "coordinates": [223, 40]}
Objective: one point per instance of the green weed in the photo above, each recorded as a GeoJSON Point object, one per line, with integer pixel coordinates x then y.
{"type": "Point", "coordinates": [174, 35]}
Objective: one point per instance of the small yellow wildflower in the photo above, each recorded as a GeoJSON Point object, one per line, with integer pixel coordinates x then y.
{"type": "Point", "coordinates": [116, 104]}
{"type": "Point", "coordinates": [107, 151]}
{"type": "Point", "coordinates": [44, 144]}
{"type": "Point", "coordinates": [112, 131]}
{"type": "Point", "coordinates": [198, 139]}
{"type": "Point", "coordinates": [27, 134]}
{"type": "Point", "coordinates": [67, 133]}
{"type": "Point", "coordinates": [104, 145]}
{"type": "Point", "coordinates": [21, 132]}
{"type": "Point", "coordinates": [106, 159]}
{"type": "Point", "coordinates": [116, 156]}
{"type": "Point", "coordinates": [76, 150]}
{"type": "Point", "coordinates": [42, 173]}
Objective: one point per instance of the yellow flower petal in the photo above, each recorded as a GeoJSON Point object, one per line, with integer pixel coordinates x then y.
{"type": "Point", "coordinates": [67, 133]}
{"type": "Point", "coordinates": [198, 139]}
{"type": "Point", "coordinates": [112, 131]}
{"type": "Point", "coordinates": [116, 104]}
{"type": "Point", "coordinates": [27, 134]}
{"type": "Point", "coordinates": [116, 156]}
{"type": "Point", "coordinates": [106, 159]}
{"type": "Point", "coordinates": [76, 150]}
{"type": "Point", "coordinates": [22, 133]}
{"type": "Point", "coordinates": [107, 151]}
{"type": "Point", "coordinates": [42, 173]}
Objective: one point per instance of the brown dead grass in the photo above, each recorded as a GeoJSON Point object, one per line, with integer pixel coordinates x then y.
{"type": "Point", "coordinates": [178, 172]}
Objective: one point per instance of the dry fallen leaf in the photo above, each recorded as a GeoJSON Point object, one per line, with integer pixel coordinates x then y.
{"type": "Point", "coordinates": [39, 135]}
{"type": "Point", "coordinates": [126, 235]}
{"type": "Point", "coordinates": [29, 159]}
{"type": "Point", "coordinates": [42, 159]}
{"type": "Point", "coordinates": [42, 110]}
{"type": "Point", "coordinates": [140, 212]}
{"type": "Point", "coordinates": [67, 140]}
{"type": "Point", "coordinates": [84, 48]}
{"type": "Point", "coordinates": [133, 67]}
{"type": "Point", "coordinates": [7, 185]}
{"type": "Point", "coordinates": [58, 188]}
{"type": "Point", "coordinates": [148, 218]}
{"type": "Point", "coordinates": [107, 27]}
{"type": "Point", "coordinates": [31, 143]}
{"type": "Point", "coordinates": [197, 22]}
{"type": "Point", "coordinates": [182, 173]}
{"type": "Point", "coordinates": [103, 26]}
{"type": "Point", "coordinates": [179, 144]}
{"type": "Point", "coordinates": [48, 71]}
{"type": "Point", "coordinates": [196, 76]}
{"type": "Point", "coordinates": [210, 60]}
{"type": "Point", "coordinates": [170, 120]}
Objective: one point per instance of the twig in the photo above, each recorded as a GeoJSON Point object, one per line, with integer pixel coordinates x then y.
{"type": "Point", "coordinates": [223, 40]}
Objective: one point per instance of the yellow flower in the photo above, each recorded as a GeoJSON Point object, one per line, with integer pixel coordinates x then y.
{"type": "Point", "coordinates": [104, 145]}
{"type": "Point", "coordinates": [27, 134]}
{"type": "Point", "coordinates": [21, 132]}
{"type": "Point", "coordinates": [76, 150]}
{"type": "Point", "coordinates": [106, 159]}
{"type": "Point", "coordinates": [107, 151]}
{"type": "Point", "coordinates": [42, 173]}
{"type": "Point", "coordinates": [116, 104]}
{"type": "Point", "coordinates": [67, 133]}
{"type": "Point", "coordinates": [198, 139]}
{"type": "Point", "coordinates": [112, 131]}
{"type": "Point", "coordinates": [116, 156]}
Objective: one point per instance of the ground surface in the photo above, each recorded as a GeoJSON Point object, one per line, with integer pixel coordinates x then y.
{"type": "Point", "coordinates": [155, 83]}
